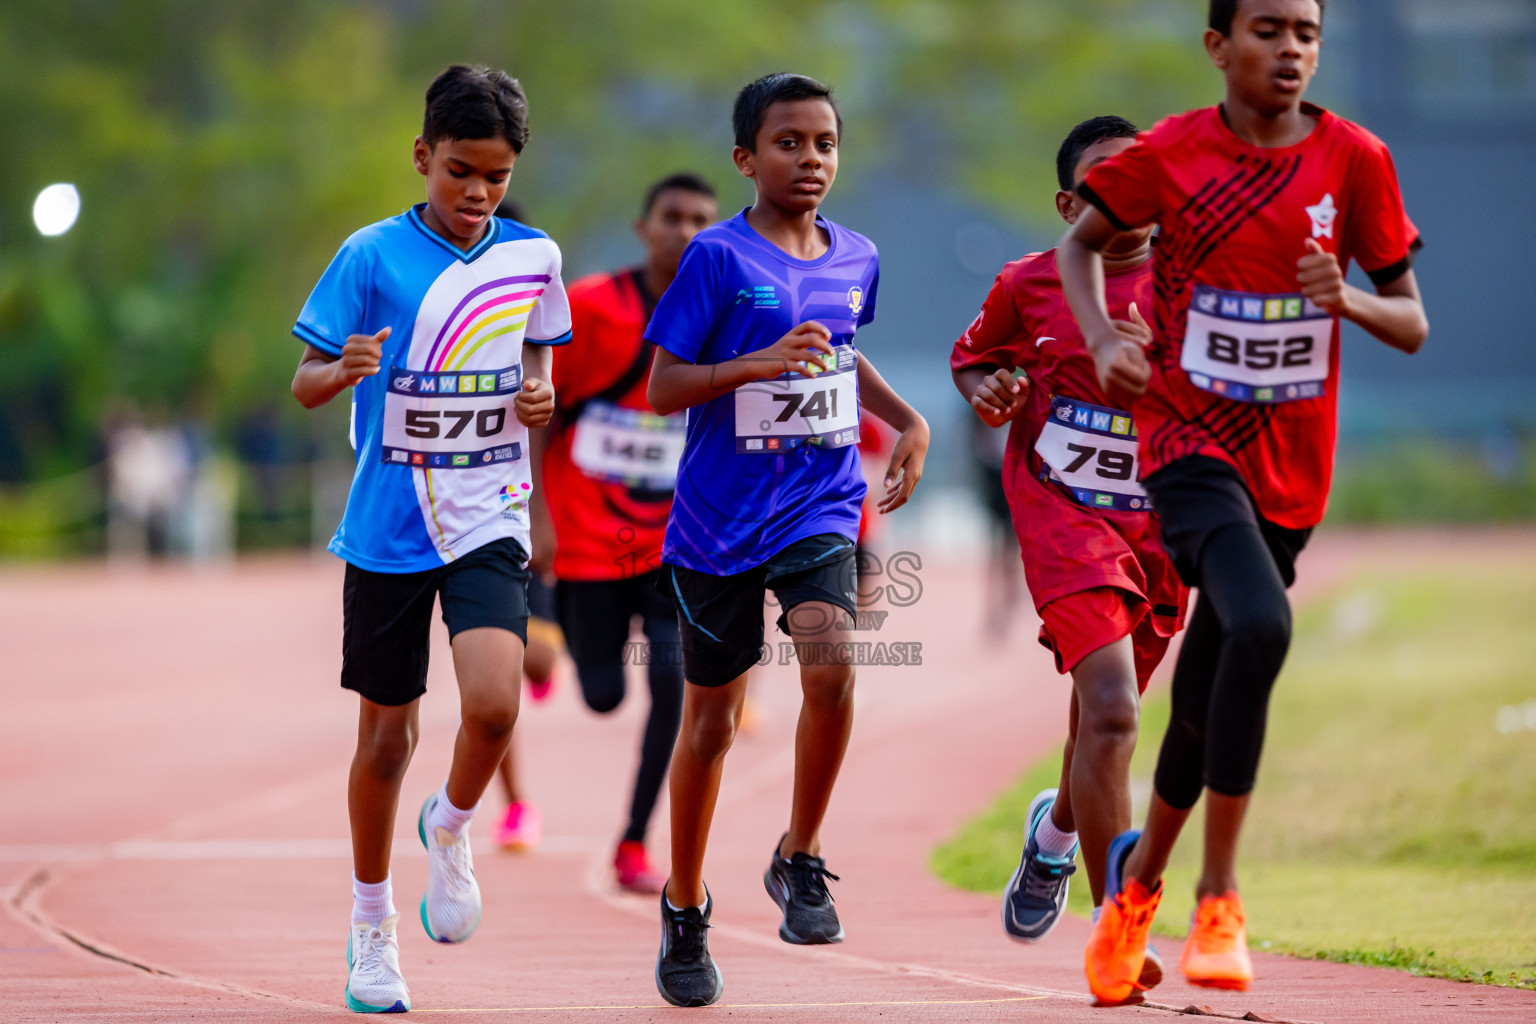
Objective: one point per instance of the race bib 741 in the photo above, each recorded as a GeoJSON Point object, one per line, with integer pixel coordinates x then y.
{"type": "Point", "coordinates": [786, 412]}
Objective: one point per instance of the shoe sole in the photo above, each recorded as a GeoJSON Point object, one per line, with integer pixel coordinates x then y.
{"type": "Point", "coordinates": [781, 898]}
{"type": "Point", "coordinates": [1015, 932]}
{"type": "Point", "coordinates": [421, 832]}
{"type": "Point", "coordinates": [356, 1005]}
{"type": "Point", "coordinates": [719, 988]}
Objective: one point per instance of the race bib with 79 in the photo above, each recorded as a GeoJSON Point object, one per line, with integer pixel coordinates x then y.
{"type": "Point", "coordinates": [452, 420]}
{"type": "Point", "coordinates": [1091, 450]}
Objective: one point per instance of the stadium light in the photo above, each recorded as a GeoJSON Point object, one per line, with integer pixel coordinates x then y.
{"type": "Point", "coordinates": [56, 209]}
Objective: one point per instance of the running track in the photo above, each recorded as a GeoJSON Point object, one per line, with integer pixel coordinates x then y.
{"type": "Point", "coordinates": [173, 838]}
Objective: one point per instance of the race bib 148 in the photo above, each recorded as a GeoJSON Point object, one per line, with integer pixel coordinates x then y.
{"type": "Point", "coordinates": [1256, 348]}
{"type": "Point", "coordinates": [1091, 450]}
{"type": "Point", "coordinates": [629, 445]}
{"type": "Point", "coordinates": [452, 420]}
{"type": "Point", "coordinates": [777, 415]}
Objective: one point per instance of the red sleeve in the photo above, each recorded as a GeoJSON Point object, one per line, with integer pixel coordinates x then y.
{"type": "Point", "coordinates": [1381, 237]}
{"type": "Point", "coordinates": [996, 336]}
{"type": "Point", "coordinates": [1130, 187]}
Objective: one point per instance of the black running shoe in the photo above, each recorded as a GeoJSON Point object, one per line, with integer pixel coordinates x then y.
{"type": "Point", "coordinates": [685, 975]}
{"type": "Point", "coordinates": [799, 886]}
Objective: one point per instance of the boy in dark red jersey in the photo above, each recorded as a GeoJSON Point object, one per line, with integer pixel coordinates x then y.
{"type": "Point", "coordinates": [1107, 596]}
{"type": "Point", "coordinates": [1261, 204]}
{"type": "Point", "coordinates": [610, 466]}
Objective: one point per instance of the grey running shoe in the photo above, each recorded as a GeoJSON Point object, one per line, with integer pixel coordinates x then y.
{"type": "Point", "coordinates": [799, 886]}
{"type": "Point", "coordinates": [685, 974]}
{"type": "Point", "coordinates": [1037, 892]}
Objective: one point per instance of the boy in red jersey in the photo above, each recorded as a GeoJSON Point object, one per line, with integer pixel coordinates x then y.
{"type": "Point", "coordinates": [1261, 204]}
{"type": "Point", "coordinates": [1107, 596]}
{"type": "Point", "coordinates": [610, 467]}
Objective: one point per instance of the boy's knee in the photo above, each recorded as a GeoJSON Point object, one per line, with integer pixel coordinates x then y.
{"type": "Point", "coordinates": [1111, 715]}
{"type": "Point", "coordinates": [489, 716]}
{"type": "Point", "coordinates": [828, 685]}
{"type": "Point", "coordinates": [1261, 638]}
{"type": "Point", "coordinates": [709, 735]}
{"type": "Point", "coordinates": [386, 753]}
{"type": "Point", "coordinates": [602, 686]}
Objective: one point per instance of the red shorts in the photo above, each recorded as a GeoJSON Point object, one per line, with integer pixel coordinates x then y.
{"type": "Point", "coordinates": [1075, 626]}
{"type": "Point", "coordinates": [1095, 575]}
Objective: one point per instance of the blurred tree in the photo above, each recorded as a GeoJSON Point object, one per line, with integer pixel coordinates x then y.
{"type": "Point", "coordinates": [224, 151]}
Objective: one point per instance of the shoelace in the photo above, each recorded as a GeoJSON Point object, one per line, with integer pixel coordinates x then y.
{"type": "Point", "coordinates": [457, 856]}
{"type": "Point", "coordinates": [690, 928]}
{"type": "Point", "coordinates": [1217, 922]}
{"type": "Point", "coordinates": [370, 959]}
{"type": "Point", "coordinates": [1043, 879]}
{"type": "Point", "coordinates": [808, 880]}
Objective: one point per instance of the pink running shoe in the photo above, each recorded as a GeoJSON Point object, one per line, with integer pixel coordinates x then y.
{"type": "Point", "coordinates": [634, 869]}
{"type": "Point", "coordinates": [539, 690]}
{"type": "Point", "coordinates": [521, 828]}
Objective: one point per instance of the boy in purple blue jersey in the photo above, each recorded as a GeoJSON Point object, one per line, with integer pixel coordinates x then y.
{"type": "Point", "coordinates": [439, 322]}
{"type": "Point", "coordinates": [755, 339]}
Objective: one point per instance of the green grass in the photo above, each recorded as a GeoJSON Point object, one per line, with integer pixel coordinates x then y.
{"type": "Point", "coordinates": [1394, 824]}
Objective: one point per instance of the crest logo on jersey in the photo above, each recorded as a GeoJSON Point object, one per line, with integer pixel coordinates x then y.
{"type": "Point", "coordinates": [405, 383]}
{"type": "Point", "coordinates": [1322, 216]}
{"type": "Point", "coordinates": [856, 299]}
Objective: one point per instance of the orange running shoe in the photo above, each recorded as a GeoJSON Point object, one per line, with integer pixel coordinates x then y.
{"type": "Point", "coordinates": [1117, 949]}
{"type": "Point", "coordinates": [1216, 952]}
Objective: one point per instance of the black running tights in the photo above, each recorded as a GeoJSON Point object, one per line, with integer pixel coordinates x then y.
{"type": "Point", "coordinates": [1232, 653]}
{"type": "Point", "coordinates": [602, 686]}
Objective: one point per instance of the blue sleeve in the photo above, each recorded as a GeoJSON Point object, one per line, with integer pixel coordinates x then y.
{"type": "Point", "coordinates": [685, 315]}
{"type": "Point", "coordinates": [868, 314]}
{"type": "Point", "coordinates": [335, 309]}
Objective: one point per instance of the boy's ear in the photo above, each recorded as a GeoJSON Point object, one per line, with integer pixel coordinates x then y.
{"type": "Point", "coordinates": [420, 154]}
{"type": "Point", "coordinates": [1216, 48]}
{"type": "Point", "coordinates": [743, 158]}
{"type": "Point", "coordinates": [1064, 206]}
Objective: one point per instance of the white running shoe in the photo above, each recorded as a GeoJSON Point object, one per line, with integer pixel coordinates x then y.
{"type": "Point", "coordinates": [450, 910]}
{"type": "Point", "coordinates": [374, 982]}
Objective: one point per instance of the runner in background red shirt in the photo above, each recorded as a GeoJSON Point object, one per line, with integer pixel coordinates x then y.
{"type": "Point", "coordinates": [1261, 203]}
{"type": "Point", "coordinates": [1107, 595]}
{"type": "Point", "coordinates": [609, 466]}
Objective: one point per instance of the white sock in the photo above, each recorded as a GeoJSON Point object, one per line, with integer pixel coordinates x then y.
{"type": "Point", "coordinates": [1053, 841]}
{"type": "Point", "coordinates": [445, 815]}
{"type": "Point", "coordinates": [372, 902]}
{"type": "Point", "coordinates": [675, 908]}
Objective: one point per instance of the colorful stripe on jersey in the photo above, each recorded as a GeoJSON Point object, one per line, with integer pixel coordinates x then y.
{"type": "Point", "coordinates": [510, 301]}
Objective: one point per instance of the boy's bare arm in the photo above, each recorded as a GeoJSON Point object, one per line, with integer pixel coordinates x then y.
{"type": "Point", "coordinates": [1117, 346]}
{"type": "Point", "coordinates": [994, 393]}
{"type": "Point", "coordinates": [906, 466]}
{"type": "Point", "coordinates": [677, 384]}
{"type": "Point", "coordinates": [537, 362]}
{"type": "Point", "coordinates": [322, 376]}
{"type": "Point", "coordinates": [1395, 314]}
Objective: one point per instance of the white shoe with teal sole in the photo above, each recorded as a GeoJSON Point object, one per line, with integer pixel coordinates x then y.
{"type": "Point", "coordinates": [450, 910]}
{"type": "Point", "coordinates": [374, 981]}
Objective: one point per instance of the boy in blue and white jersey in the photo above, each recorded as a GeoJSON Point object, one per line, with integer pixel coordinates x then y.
{"type": "Point", "coordinates": [440, 321]}
{"type": "Point", "coordinates": [755, 339]}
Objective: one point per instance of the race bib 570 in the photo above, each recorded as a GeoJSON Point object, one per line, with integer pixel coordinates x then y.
{"type": "Point", "coordinates": [1091, 450]}
{"type": "Point", "coordinates": [452, 420]}
{"type": "Point", "coordinates": [1256, 348]}
{"type": "Point", "coordinates": [786, 412]}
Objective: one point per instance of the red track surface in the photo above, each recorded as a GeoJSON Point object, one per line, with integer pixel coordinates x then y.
{"type": "Point", "coordinates": [173, 831]}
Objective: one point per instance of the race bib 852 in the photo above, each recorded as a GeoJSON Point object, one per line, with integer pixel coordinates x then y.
{"type": "Point", "coordinates": [1256, 348]}
{"type": "Point", "coordinates": [452, 420]}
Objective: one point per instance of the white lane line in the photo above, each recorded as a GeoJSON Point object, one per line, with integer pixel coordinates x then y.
{"type": "Point", "coordinates": [256, 849]}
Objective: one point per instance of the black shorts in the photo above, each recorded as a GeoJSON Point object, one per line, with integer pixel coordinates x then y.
{"type": "Point", "coordinates": [387, 616]}
{"type": "Point", "coordinates": [595, 615]}
{"type": "Point", "coordinates": [1195, 497]}
{"type": "Point", "coordinates": [721, 617]}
